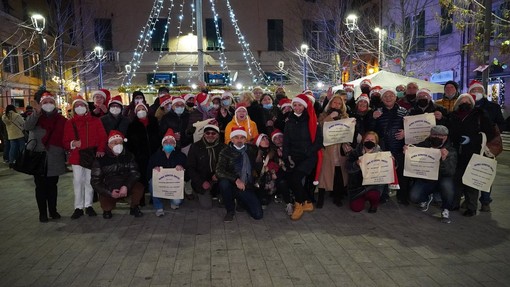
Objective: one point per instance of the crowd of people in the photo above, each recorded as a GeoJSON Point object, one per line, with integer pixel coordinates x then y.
{"type": "Point", "coordinates": [257, 148]}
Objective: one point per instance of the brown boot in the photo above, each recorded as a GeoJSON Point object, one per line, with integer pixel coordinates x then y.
{"type": "Point", "coordinates": [307, 206]}
{"type": "Point", "coordinates": [298, 211]}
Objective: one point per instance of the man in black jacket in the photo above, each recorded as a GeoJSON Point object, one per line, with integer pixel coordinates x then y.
{"type": "Point", "coordinates": [235, 171]}
{"type": "Point", "coordinates": [115, 176]}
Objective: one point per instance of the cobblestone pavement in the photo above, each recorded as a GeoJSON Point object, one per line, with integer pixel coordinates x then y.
{"type": "Point", "coordinates": [397, 246]}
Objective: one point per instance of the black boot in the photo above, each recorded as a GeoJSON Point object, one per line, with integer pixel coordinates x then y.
{"type": "Point", "coordinates": [320, 198]}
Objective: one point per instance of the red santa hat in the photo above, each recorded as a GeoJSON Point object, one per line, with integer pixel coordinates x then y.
{"type": "Point", "coordinates": [475, 84]}
{"type": "Point", "coordinates": [177, 99]}
{"type": "Point", "coordinates": [238, 131]}
{"type": "Point", "coordinates": [349, 86]}
{"type": "Point", "coordinates": [189, 96]}
{"type": "Point", "coordinates": [227, 94]}
{"type": "Point", "coordinates": [102, 92]}
{"type": "Point", "coordinates": [240, 106]}
{"type": "Point", "coordinates": [310, 95]}
{"type": "Point", "coordinates": [366, 82]}
{"type": "Point", "coordinates": [285, 102]}
{"type": "Point", "coordinates": [168, 135]}
{"type": "Point", "coordinates": [259, 139]}
{"type": "Point", "coordinates": [165, 100]}
{"type": "Point", "coordinates": [143, 105]}
{"type": "Point", "coordinates": [114, 135]}
{"type": "Point", "coordinates": [302, 99]}
{"type": "Point", "coordinates": [202, 98]}
{"type": "Point", "coordinates": [275, 133]}
{"type": "Point", "coordinates": [46, 96]}
{"type": "Point", "coordinates": [79, 98]}
{"type": "Point", "coordinates": [116, 100]}
{"type": "Point", "coordinates": [363, 97]}
{"type": "Point", "coordinates": [375, 89]}
{"type": "Point", "coordinates": [425, 92]}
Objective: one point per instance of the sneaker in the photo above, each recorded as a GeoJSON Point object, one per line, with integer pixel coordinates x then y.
{"type": "Point", "coordinates": [229, 217]}
{"type": "Point", "coordinates": [77, 213]}
{"type": "Point", "coordinates": [486, 207]}
{"type": "Point", "coordinates": [107, 214]}
{"type": "Point", "coordinates": [289, 209]}
{"type": "Point", "coordinates": [90, 211]}
{"type": "Point", "coordinates": [424, 206]}
{"type": "Point", "coordinates": [174, 206]}
{"type": "Point", "coordinates": [307, 206]}
{"type": "Point", "coordinates": [445, 216]}
{"type": "Point", "coordinates": [135, 211]}
{"type": "Point", "coordinates": [298, 211]}
{"type": "Point", "coordinates": [160, 212]}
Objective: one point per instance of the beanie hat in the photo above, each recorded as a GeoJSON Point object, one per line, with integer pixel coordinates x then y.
{"type": "Point", "coordinates": [202, 98]}
{"type": "Point", "coordinates": [302, 99]}
{"type": "Point", "coordinates": [80, 99]}
{"type": "Point", "coordinates": [211, 127]}
{"type": "Point", "coordinates": [189, 96]}
{"type": "Point", "coordinates": [439, 130]}
{"type": "Point", "coordinates": [45, 96]}
{"type": "Point", "coordinates": [168, 135]}
{"type": "Point", "coordinates": [165, 100]}
{"type": "Point", "coordinates": [425, 91]}
{"type": "Point", "coordinates": [366, 82]}
{"type": "Point", "coordinates": [178, 99]}
{"type": "Point", "coordinates": [114, 135]}
{"type": "Point", "coordinates": [259, 139]}
{"type": "Point", "coordinates": [275, 133]}
{"type": "Point", "coordinates": [285, 102]}
{"type": "Point", "coordinates": [363, 97]}
{"type": "Point", "coordinates": [238, 131]}
{"type": "Point", "coordinates": [116, 100]}
{"type": "Point", "coordinates": [138, 93]}
{"type": "Point", "coordinates": [452, 83]}
{"type": "Point", "coordinates": [475, 84]}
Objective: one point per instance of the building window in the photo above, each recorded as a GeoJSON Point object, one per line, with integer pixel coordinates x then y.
{"type": "Point", "coordinates": [446, 21]}
{"type": "Point", "coordinates": [213, 42]}
{"type": "Point", "coordinates": [275, 35]}
{"type": "Point", "coordinates": [319, 34]}
{"type": "Point", "coordinates": [103, 33]}
{"type": "Point", "coordinates": [10, 62]}
{"type": "Point", "coordinates": [159, 37]}
{"type": "Point", "coordinates": [415, 31]}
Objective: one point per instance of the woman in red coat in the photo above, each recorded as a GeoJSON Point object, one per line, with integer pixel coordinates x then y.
{"type": "Point", "coordinates": [80, 132]}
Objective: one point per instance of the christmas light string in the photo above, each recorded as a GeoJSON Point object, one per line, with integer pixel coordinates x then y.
{"type": "Point", "coordinates": [165, 33]}
{"type": "Point", "coordinates": [179, 32]}
{"type": "Point", "coordinates": [223, 57]}
{"type": "Point", "coordinates": [192, 27]}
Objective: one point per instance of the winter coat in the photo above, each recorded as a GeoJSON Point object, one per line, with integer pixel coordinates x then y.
{"type": "Point", "coordinates": [14, 124]}
{"type": "Point", "coordinates": [355, 188]}
{"type": "Point", "coordinates": [281, 120]}
{"type": "Point", "coordinates": [223, 121]}
{"type": "Point", "coordinates": [159, 159]}
{"type": "Point", "coordinates": [201, 167]}
{"type": "Point", "coordinates": [447, 103]}
{"type": "Point", "coordinates": [230, 158]}
{"type": "Point", "coordinates": [298, 145]}
{"type": "Point", "coordinates": [404, 103]}
{"type": "Point", "coordinates": [256, 113]}
{"type": "Point", "coordinates": [270, 115]}
{"type": "Point", "coordinates": [449, 164]}
{"type": "Point", "coordinates": [493, 112]}
{"type": "Point", "coordinates": [364, 123]}
{"type": "Point", "coordinates": [90, 131]}
{"type": "Point", "coordinates": [249, 126]}
{"type": "Point", "coordinates": [56, 156]}
{"type": "Point", "coordinates": [112, 172]}
{"type": "Point", "coordinates": [179, 124]}
{"type": "Point", "coordinates": [387, 125]}
{"type": "Point", "coordinates": [119, 123]}
{"type": "Point", "coordinates": [430, 108]}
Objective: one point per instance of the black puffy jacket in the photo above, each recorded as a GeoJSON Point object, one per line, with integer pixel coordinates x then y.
{"type": "Point", "coordinates": [112, 172]}
{"type": "Point", "coordinates": [387, 125]}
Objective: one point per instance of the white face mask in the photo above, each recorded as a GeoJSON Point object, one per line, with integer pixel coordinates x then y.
{"type": "Point", "coordinates": [478, 96]}
{"type": "Point", "coordinates": [80, 110]}
{"type": "Point", "coordinates": [115, 110]}
{"type": "Point", "coordinates": [298, 115]}
{"type": "Point", "coordinates": [48, 107]}
{"type": "Point", "coordinates": [239, 148]}
{"type": "Point", "coordinates": [141, 114]}
{"type": "Point", "coordinates": [117, 149]}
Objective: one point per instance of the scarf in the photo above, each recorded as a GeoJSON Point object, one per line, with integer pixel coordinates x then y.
{"type": "Point", "coordinates": [144, 121]}
{"type": "Point", "coordinates": [245, 169]}
{"type": "Point", "coordinates": [53, 124]}
{"type": "Point", "coordinates": [211, 153]}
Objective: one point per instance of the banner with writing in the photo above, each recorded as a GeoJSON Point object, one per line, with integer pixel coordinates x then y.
{"type": "Point", "coordinates": [377, 168]}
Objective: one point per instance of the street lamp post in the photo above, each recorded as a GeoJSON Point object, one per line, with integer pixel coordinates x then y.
{"type": "Point", "coordinates": [304, 53]}
{"type": "Point", "coordinates": [350, 22]}
{"type": "Point", "coordinates": [39, 22]}
{"type": "Point", "coordinates": [98, 50]}
{"type": "Point", "coordinates": [281, 64]}
{"type": "Point", "coordinates": [380, 33]}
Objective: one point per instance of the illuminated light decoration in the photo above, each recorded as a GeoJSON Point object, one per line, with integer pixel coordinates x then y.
{"type": "Point", "coordinates": [246, 48]}
{"type": "Point", "coordinates": [143, 41]}
{"type": "Point", "coordinates": [179, 32]}
{"type": "Point", "coordinates": [169, 18]}
{"type": "Point", "coordinates": [223, 57]}
{"type": "Point", "coordinates": [192, 27]}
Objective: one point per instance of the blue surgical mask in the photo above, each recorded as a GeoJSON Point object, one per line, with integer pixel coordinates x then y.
{"type": "Point", "coordinates": [350, 95]}
{"type": "Point", "coordinates": [400, 95]}
{"type": "Point", "coordinates": [179, 110]}
{"type": "Point", "coordinates": [226, 102]}
{"type": "Point", "coordinates": [168, 148]}
{"type": "Point", "coordinates": [267, 106]}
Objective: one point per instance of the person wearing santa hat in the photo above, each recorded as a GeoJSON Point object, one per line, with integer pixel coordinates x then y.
{"type": "Point", "coordinates": [202, 159]}
{"type": "Point", "coordinates": [115, 176]}
{"type": "Point", "coordinates": [364, 116]}
{"type": "Point", "coordinates": [82, 132]}
{"type": "Point", "coordinates": [177, 119]}
{"type": "Point", "coordinates": [254, 109]}
{"type": "Point", "coordinates": [114, 119]}
{"type": "Point", "coordinates": [157, 101]}
{"type": "Point", "coordinates": [365, 86]}
{"type": "Point", "coordinates": [285, 109]}
{"type": "Point", "coordinates": [375, 97]}
{"type": "Point", "coordinates": [45, 128]}
{"type": "Point", "coordinates": [466, 122]}
{"type": "Point", "coordinates": [302, 142]}
{"type": "Point", "coordinates": [235, 172]}
{"type": "Point", "coordinates": [409, 100]}
{"type": "Point", "coordinates": [225, 113]}
{"type": "Point", "coordinates": [282, 187]}
{"type": "Point", "coordinates": [493, 110]}
{"type": "Point", "coordinates": [100, 100]}
{"type": "Point", "coordinates": [137, 98]}
{"type": "Point", "coordinates": [270, 112]}
{"type": "Point", "coordinates": [424, 104]}
{"type": "Point", "coordinates": [143, 140]}
{"type": "Point", "coordinates": [450, 96]}
{"type": "Point", "coordinates": [242, 119]}
{"type": "Point", "coordinates": [165, 105]}
{"type": "Point", "coordinates": [204, 108]}
{"type": "Point", "coordinates": [166, 157]}
{"type": "Point", "coordinates": [267, 168]}
{"type": "Point", "coordinates": [190, 101]}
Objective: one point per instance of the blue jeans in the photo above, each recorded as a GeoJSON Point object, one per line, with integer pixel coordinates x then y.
{"type": "Point", "coordinates": [247, 197]}
{"type": "Point", "coordinates": [423, 188]}
{"type": "Point", "coordinates": [7, 148]}
{"type": "Point", "coordinates": [158, 202]}
{"type": "Point", "coordinates": [485, 197]}
{"type": "Point", "coordinates": [15, 148]}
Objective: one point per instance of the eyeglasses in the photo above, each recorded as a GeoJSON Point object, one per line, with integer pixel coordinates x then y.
{"type": "Point", "coordinates": [210, 133]}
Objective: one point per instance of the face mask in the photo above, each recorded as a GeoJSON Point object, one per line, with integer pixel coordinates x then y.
{"type": "Point", "coordinates": [141, 114]}
{"type": "Point", "coordinates": [375, 101]}
{"type": "Point", "coordinates": [138, 101]}
{"type": "Point", "coordinates": [215, 106]}
{"type": "Point", "coordinates": [279, 96]}
{"type": "Point", "coordinates": [465, 107]}
{"type": "Point", "coordinates": [117, 149]}
{"type": "Point", "coordinates": [478, 96]}
{"type": "Point", "coordinates": [350, 95]}
{"type": "Point", "coordinates": [80, 110]}
{"type": "Point", "coordinates": [298, 115]}
{"type": "Point", "coordinates": [115, 111]}
{"type": "Point", "coordinates": [400, 95]}
{"type": "Point", "coordinates": [190, 105]}
{"type": "Point", "coordinates": [239, 148]}
{"type": "Point", "coordinates": [410, 97]}
{"type": "Point", "coordinates": [179, 110]}
{"type": "Point", "coordinates": [365, 90]}
{"type": "Point", "coordinates": [369, 144]}
{"type": "Point", "coordinates": [435, 142]}
{"type": "Point", "coordinates": [226, 102]}
{"type": "Point", "coordinates": [422, 102]}
{"type": "Point", "coordinates": [48, 108]}
{"type": "Point", "coordinates": [206, 108]}
{"type": "Point", "coordinates": [168, 148]}
{"type": "Point", "coordinates": [267, 106]}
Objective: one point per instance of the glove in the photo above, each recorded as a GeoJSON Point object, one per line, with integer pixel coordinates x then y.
{"type": "Point", "coordinates": [291, 163]}
{"type": "Point", "coordinates": [465, 140]}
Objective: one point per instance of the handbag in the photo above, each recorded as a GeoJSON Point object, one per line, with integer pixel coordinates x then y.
{"type": "Point", "coordinates": [480, 171]}
{"type": "Point", "coordinates": [87, 155]}
{"type": "Point", "coordinates": [31, 162]}
{"type": "Point", "coordinates": [495, 145]}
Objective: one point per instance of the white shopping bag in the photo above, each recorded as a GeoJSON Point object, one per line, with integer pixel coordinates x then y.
{"type": "Point", "coordinates": [417, 128]}
{"type": "Point", "coordinates": [340, 131]}
{"type": "Point", "coordinates": [480, 171]}
{"type": "Point", "coordinates": [422, 162]}
{"type": "Point", "coordinates": [377, 168]}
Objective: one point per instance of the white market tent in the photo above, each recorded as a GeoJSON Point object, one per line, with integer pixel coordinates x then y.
{"type": "Point", "coordinates": [391, 80]}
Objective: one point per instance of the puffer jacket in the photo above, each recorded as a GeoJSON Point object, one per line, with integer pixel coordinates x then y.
{"type": "Point", "coordinates": [449, 164]}
{"type": "Point", "coordinates": [447, 103]}
{"type": "Point", "coordinates": [201, 167]}
{"type": "Point", "coordinates": [119, 123]}
{"type": "Point", "coordinates": [230, 158]}
{"type": "Point", "coordinates": [112, 172]}
{"type": "Point", "coordinates": [387, 125]}
{"type": "Point", "coordinates": [179, 124]}
{"type": "Point", "coordinates": [90, 131]}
